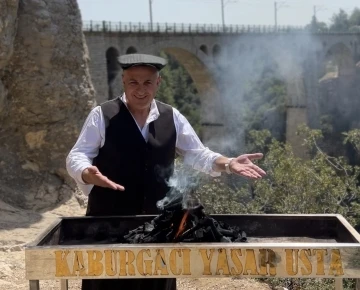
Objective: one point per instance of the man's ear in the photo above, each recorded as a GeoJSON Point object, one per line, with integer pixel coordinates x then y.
{"type": "Point", "coordinates": [159, 80]}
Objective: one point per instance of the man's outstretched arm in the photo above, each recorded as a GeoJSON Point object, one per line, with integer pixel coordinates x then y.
{"type": "Point", "coordinates": [241, 165]}
{"type": "Point", "coordinates": [203, 159]}
{"type": "Point", "coordinates": [79, 160]}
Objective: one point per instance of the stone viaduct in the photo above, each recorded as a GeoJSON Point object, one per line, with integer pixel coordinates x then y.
{"type": "Point", "coordinates": [300, 56]}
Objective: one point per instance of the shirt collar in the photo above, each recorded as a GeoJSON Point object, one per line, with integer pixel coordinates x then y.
{"type": "Point", "coordinates": [154, 111]}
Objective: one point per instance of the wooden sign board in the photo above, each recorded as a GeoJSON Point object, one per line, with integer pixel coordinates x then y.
{"type": "Point", "coordinates": [184, 260]}
{"type": "Point", "coordinates": [47, 258]}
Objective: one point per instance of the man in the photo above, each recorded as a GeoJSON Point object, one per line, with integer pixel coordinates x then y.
{"type": "Point", "coordinates": [126, 150]}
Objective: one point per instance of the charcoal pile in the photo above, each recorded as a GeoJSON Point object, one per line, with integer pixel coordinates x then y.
{"type": "Point", "coordinates": [176, 224]}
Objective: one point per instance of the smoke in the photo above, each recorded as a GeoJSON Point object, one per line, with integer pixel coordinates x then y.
{"type": "Point", "coordinates": [251, 71]}
{"type": "Point", "coordinates": [256, 75]}
{"type": "Point", "coordinates": [182, 183]}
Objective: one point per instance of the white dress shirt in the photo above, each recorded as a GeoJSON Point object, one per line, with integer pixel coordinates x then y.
{"type": "Point", "coordinates": [92, 138]}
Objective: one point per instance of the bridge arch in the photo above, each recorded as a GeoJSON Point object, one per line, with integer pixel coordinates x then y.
{"type": "Point", "coordinates": [255, 61]}
{"type": "Point", "coordinates": [131, 49]}
{"type": "Point", "coordinates": [200, 68]}
{"type": "Point", "coordinates": [204, 49]}
{"type": "Point", "coordinates": [112, 68]}
{"type": "Point", "coordinates": [338, 61]}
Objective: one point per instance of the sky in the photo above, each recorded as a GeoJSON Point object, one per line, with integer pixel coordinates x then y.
{"type": "Point", "coordinates": [247, 12]}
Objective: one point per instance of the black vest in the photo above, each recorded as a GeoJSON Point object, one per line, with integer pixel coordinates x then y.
{"type": "Point", "coordinates": [143, 168]}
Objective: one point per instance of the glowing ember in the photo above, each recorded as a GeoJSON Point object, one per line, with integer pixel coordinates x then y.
{"type": "Point", "coordinates": [182, 224]}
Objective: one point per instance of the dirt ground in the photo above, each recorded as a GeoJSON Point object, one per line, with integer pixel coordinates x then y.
{"type": "Point", "coordinates": [18, 227]}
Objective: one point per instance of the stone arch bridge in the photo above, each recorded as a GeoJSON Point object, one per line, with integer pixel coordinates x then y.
{"type": "Point", "coordinates": [207, 54]}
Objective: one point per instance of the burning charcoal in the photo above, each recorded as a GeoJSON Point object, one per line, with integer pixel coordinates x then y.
{"type": "Point", "coordinates": [191, 225]}
{"type": "Point", "coordinates": [148, 228]}
{"type": "Point", "coordinates": [214, 230]}
{"type": "Point", "coordinates": [241, 238]}
{"type": "Point", "coordinates": [188, 241]}
{"type": "Point", "coordinates": [186, 234]}
{"type": "Point", "coordinates": [199, 234]}
{"type": "Point", "coordinates": [225, 240]}
{"type": "Point", "coordinates": [228, 233]}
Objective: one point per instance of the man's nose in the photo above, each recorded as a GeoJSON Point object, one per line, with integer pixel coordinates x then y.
{"type": "Point", "coordinates": [140, 89]}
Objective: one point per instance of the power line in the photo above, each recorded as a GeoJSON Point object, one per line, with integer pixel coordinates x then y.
{"type": "Point", "coordinates": [318, 9]}
{"type": "Point", "coordinates": [223, 5]}
{"type": "Point", "coordinates": [277, 6]}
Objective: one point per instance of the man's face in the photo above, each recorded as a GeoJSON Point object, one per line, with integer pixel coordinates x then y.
{"type": "Point", "coordinates": [140, 85]}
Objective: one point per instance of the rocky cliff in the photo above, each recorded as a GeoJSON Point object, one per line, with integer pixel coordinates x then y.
{"type": "Point", "coordinates": [45, 95]}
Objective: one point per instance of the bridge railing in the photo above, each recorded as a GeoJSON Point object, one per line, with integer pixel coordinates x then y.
{"type": "Point", "coordinates": [175, 28]}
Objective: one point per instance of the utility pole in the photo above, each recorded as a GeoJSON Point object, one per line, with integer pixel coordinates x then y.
{"type": "Point", "coordinates": [275, 10]}
{"type": "Point", "coordinates": [151, 16]}
{"type": "Point", "coordinates": [277, 6]}
{"type": "Point", "coordinates": [223, 14]}
{"type": "Point", "coordinates": [223, 4]}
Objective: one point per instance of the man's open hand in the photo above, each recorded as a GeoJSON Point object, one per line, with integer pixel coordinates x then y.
{"type": "Point", "coordinates": [92, 175]}
{"type": "Point", "coordinates": [243, 166]}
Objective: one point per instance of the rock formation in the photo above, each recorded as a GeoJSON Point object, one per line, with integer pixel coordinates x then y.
{"type": "Point", "coordinates": [45, 95]}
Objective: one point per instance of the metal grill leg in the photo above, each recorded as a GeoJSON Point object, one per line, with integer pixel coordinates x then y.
{"type": "Point", "coordinates": [339, 284]}
{"type": "Point", "coordinates": [34, 285]}
{"type": "Point", "coordinates": [64, 284]}
{"type": "Point", "coordinates": [357, 284]}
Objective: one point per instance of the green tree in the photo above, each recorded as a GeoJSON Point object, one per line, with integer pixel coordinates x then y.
{"type": "Point", "coordinates": [340, 22]}
{"type": "Point", "coordinates": [187, 100]}
{"type": "Point", "coordinates": [316, 26]}
{"type": "Point", "coordinates": [166, 90]}
{"type": "Point", "coordinates": [265, 105]}
{"type": "Point", "coordinates": [320, 184]}
{"type": "Point", "coordinates": [178, 89]}
{"type": "Point", "coordinates": [354, 19]}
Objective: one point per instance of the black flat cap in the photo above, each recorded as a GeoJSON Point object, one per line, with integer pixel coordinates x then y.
{"type": "Point", "coordinates": [130, 60]}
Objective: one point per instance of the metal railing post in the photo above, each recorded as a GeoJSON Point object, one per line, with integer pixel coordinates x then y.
{"type": "Point", "coordinates": [103, 26]}
{"type": "Point", "coordinates": [34, 285]}
{"type": "Point", "coordinates": [64, 284]}
{"type": "Point", "coordinates": [339, 284]}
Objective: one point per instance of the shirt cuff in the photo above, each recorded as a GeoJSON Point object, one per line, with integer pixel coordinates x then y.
{"type": "Point", "coordinates": [212, 172]}
{"type": "Point", "coordinates": [86, 189]}
{"type": "Point", "coordinates": [78, 174]}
